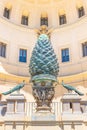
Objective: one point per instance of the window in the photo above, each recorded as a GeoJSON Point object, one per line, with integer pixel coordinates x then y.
{"type": "Point", "coordinates": [44, 21]}
{"type": "Point", "coordinates": [2, 49]}
{"type": "Point", "coordinates": [24, 20]}
{"type": "Point", "coordinates": [22, 55]}
{"type": "Point", "coordinates": [84, 49]}
{"type": "Point", "coordinates": [6, 13]}
{"type": "Point", "coordinates": [65, 55]}
{"type": "Point", "coordinates": [62, 19]}
{"type": "Point", "coordinates": [81, 12]}
{"type": "Point", "coordinates": [70, 105]}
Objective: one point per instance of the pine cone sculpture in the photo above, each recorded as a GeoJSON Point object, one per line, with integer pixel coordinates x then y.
{"type": "Point", "coordinates": [43, 62]}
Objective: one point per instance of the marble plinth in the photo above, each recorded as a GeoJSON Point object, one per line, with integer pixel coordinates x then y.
{"type": "Point", "coordinates": [43, 116]}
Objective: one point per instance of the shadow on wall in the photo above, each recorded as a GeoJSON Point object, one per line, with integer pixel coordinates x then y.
{"type": "Point", "coordinates": [15, 69]}
{"type": "Point", "coordinates": [80, 85]}
{"type": "Point", "coordinates": [2, 69]}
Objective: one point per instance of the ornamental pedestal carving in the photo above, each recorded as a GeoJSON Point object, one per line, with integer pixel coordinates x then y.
{"type": "Point", "coordinates": [43, 93]}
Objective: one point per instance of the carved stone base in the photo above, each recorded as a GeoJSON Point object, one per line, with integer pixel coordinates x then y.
{"type": "Point", "coordinates": [43, 94]}
{"type": "Point", "coordinates": [43, 116]}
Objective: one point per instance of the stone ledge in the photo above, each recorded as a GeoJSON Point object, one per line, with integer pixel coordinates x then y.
{"type": "Point", "coordinates": [72, 117]}
{"type": "Point", "coordinates": [16, 118]}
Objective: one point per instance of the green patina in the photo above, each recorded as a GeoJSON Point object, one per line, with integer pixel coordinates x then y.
{"type": "Point", "coordinates": [16, 88]}
{"type": "Point", "coordinates": [43, 62]}
{"type": "Point", "coordinates": [71, 88]}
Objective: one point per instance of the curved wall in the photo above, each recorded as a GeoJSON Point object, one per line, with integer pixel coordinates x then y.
{"type": "Point", "coordinates": [70, 35]}
{"type": "Point", "coordinates": [53, 8]}
{"type": "Point", "coordinates": [15, 38]}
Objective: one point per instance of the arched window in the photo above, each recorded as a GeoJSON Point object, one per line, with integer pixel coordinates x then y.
{"type": "Point", "coordinates": [80, 9]}
{"type": "Point", "coordinates": [44, 19]}
{"type": "Point", "coordinates": [24, 18]}
{"type": "Point", "coordinates": [7, 10]}
{"type": "Point", "coordinates": [81, 12]}
{"type": "Point", "coordinates": [62, 17]}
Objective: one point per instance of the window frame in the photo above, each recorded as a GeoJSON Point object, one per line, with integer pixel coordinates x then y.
{"type": "Point", "coordinates": [44, 21]}
{"type": "Point", "coordinates": [62, 19]}
{"type": "Point", "coordinates": [84, 44]}
{"type": "Point", "coordinates": [81, 12]}
{"type": "Point", "coordinates": [65, 58]}
{"type": "Point", "coordinates": [24, 20]}
{"type": "Point", "coordinates": [23, 57]}
{"type": "Point", "coordinates": [6, 13]}
{"type": "Point", "coordinates": [3, 49]}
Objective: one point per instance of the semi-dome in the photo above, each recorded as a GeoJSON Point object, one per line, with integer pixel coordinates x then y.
{"type": "Point", "coordinates": [19, 21]}
{"type": "Point", "coordinates": [33, 13]}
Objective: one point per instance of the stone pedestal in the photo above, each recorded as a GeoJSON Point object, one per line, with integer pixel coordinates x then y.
{"type": "Point", "coordinates": [43, 93]}
{"type": "Point", "coordinates": [43, 116]}
{"type": "Point", "coordinates": [43, 96]}
{"type": "Point", "coordinates": [71, 103]}
{"type": "Point", "coordinates": [15, 115]}
{"type": "Point", "coordinates": [16, 104]}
